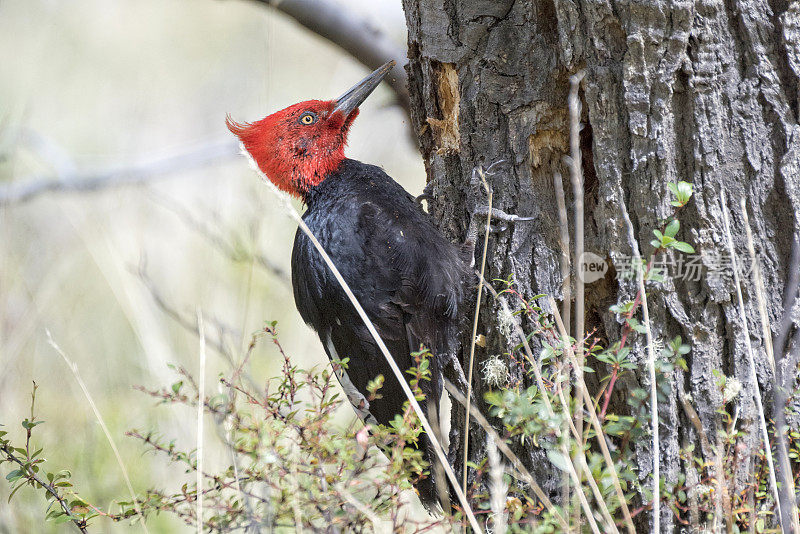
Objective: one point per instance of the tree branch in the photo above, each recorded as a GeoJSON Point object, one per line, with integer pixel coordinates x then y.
{"type": "Point", "coordinates": [31, 475]}
{"type": "Point", "coordinates": [352, 33]}
{"type": "Point", "coordinates": [73, 181]}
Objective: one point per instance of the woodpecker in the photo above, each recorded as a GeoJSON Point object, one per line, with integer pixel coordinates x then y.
{"type": "Point", "coordinates": [407, 276]}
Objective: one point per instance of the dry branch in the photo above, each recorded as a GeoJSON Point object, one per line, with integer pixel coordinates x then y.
{"type": "Point", "coordinates": [136, 174]}
{"type": "Point", "coordinates": [352, 33]}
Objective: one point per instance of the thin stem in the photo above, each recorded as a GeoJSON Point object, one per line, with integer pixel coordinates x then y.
{"type": "Point", "coordinates": [563, 226]}
{"type": "Point", "coordinates": [74, 368]}
{"type": "Point", "coordinates": [750, 358]}
{"type": "Point", "coordinates": [787, 503]}
{"type": "Point", "coordinates": [611, 382]}
{"type": "Point", "coordinates": [651, 364]}
{"type": "Point", "coordinates": [200, 405]}
{"type": "Point", "coordinates": [576, 177]}
{"type": "Point", "coordinates": [475, 325]}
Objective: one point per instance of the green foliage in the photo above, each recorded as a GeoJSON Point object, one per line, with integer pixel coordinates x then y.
{"type": "Point", "coordinates": [682, 192]}
{"type": "Point", "coordinates": [666, 239]}
{"type": "Point", "coordinates": [64, 504]}
{"type": "Point", "coordinates": [292, 465]}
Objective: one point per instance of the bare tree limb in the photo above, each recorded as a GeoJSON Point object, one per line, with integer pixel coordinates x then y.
{"type": "Point", "coordinates": [352, 33]}
{"type": "Point", "coordinates": [80, 182]}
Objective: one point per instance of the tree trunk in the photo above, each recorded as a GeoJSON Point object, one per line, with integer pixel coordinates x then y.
{"type": "Point", "coordinates": [705, 92]}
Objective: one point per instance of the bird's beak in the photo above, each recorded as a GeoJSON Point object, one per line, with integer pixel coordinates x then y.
{"type": "Point", "coordinates": [354, 96]}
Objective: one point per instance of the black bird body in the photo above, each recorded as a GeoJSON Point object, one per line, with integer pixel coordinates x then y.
{"type": "Point", "coordinates": [407, 276]}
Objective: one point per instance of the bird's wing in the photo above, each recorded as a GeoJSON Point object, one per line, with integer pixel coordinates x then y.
{"type": "Point", "coordinates": [422, 272]}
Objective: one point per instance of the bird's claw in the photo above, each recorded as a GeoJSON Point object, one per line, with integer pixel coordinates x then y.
{"type": "Point", "coordinates": [499, 215]}
{"type": "Point", "coordinates": [424, 196]}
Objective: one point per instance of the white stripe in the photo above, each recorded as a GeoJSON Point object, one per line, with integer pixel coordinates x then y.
{"type": "Point", "coordinates": [356, 398]}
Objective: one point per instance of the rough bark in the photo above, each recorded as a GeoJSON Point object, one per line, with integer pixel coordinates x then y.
{"type": "Point", "coordinates": [705, 92]}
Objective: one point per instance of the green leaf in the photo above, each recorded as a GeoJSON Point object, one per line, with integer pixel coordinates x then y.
{"type": "Point", "coordinates": [684, 191]}
{"type": "Point", "coordinates": [673, 187]}
{"type": "Point", "coordinates": [15, 475]}
{"type": "Point", "coordinates": [672, 228]}
{"type": "Point", "coordinates": [62, 519]}
{"type": "Point", "coordinates": [683, 247]}
{"type": "Point", "coordinates": [15, 490]}
{"type": "Point", "coordinates": [64, 473]}
{"type": "Point", "coordinates": [27, 425]}
{"type": "Point", "coordinates": [636, 325]}
{"type": "Point", "coordinates": [558, 459]}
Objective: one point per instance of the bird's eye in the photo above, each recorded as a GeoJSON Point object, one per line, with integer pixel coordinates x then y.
{"type": "Point", "coordinates": [308, 118]}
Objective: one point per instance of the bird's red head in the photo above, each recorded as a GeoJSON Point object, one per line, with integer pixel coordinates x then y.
{"type": "Point", "coordinates": [297, 147]}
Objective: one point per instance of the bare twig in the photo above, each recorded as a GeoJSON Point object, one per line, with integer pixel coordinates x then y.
{"type": "Point", "coordinates": [352, 33]}
{"type": "Point", "coordinates": [759, 284]}
{"type": "Point", "coordinates": [217, 239]}
{"type": "Point", "coordinates": [184, 322]}
{"type": "Point", "coordinates": [136, 174]}
{"type": "Point", "coordinates": [576, 177]}
{"type": "Point", "coordinates": [750, 358]}
{"type": "Point", "coordinates": [563, 226]}
{"type": "Point", "coordinates": [201, 395]}
{"type": "Point", "coordinates": [651, 367]}
{"type": "Point", "coordinates": [473, 340]}
{"type": "Point", "coordinates": [498, 489]}
{"type": "Point", "coordinates": [566, 282]}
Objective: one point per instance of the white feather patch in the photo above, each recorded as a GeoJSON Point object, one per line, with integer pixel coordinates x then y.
{"type": "Point", "coordinates": [359, 401]}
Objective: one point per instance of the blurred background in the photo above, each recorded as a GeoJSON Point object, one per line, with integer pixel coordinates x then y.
{"type": "Point", "coordinates": [93, 86]}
